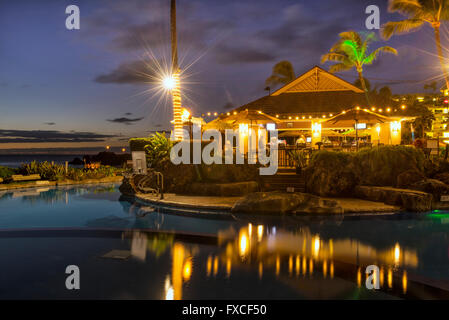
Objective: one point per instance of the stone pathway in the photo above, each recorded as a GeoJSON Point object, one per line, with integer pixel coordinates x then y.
{"type": "Point", "coordinates": [193, 202]}
{"type": "Point", "coordinates": [350, 205]}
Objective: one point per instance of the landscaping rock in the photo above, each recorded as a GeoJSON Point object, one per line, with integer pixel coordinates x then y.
{"type": "Point", "coordinates": [281, 203]}
{"type": "Point", "coordinates": [130, 184]}
{"type": "Point", "coordinates": [411, 200]}
{"type": "Point", "coordinates": [432, 186]}
{"type": "Point", "coordinates": [409, 177]}
{"type": "Point", "coordinates": [443, 177]}
{"type": "Point", "coordinates": [224, 189]}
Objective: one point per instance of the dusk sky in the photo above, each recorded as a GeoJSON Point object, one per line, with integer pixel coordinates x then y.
{"type": "Point", "coordinates": [87, 85]}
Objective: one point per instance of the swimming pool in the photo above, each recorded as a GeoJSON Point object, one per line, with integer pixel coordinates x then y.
{"type": "Point", "coordinates": [125, 249]}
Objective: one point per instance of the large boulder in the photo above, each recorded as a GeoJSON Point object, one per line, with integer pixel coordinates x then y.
{"type": "Point", "coordinates": [409, 177]}
{"type": "Point", "coordinates": [282, 203]}
{"type": "Point", "coordinates": [138, 183]}
{"type": "Point", "coordinates": [410, 200]}
{"type": "Point", "coordinates": [443, 177]}
{"type": "Point", "coordinates": [432, 186]}
{"type": "Point", "coordinates": [223, 189]}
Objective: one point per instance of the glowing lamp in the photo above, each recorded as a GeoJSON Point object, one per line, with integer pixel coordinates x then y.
{"type": "Point", "coordinates": [271, 126]}
{"type": "Point", "coordinates": [168, 83]}
{"type": "Point", "coordinates": [316, 129]}
{"type": "Point", "coordinates": [185, 115]}
{"type": "Point", "coordinates": [395, 126]}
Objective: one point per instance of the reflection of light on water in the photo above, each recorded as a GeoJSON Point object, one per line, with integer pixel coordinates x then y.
{"type": "Point", "coordinates": [169, 292]}
{"type": "Point", "coordinates": [290, 264]}
{"type": "Point", "coordinates": [260, 269]}
{"type": "Point", "coordinates": [316, 246]}
{"type": "Point", "coordinates": [311, 267]}
{"type": "Point", "coordinates": [215, 265]}
{"type": "Point", "coordinates": [243, 245]}
{"type": "Point", "coordinates": [228, 267]}
{"type": "Point", "coordinates": [209, 265]}
{"type": "Point", "coordinates": [390, 278]}
{"type": "Point", "coordinates": [324, 268]}
{"type": "Point", "coordinates": [297, 265]}
{"type": "Point", "coordinates": [187, 270]}
{"type": "Point", "coordinates": [304, 266]}
{"type": "Point", "coordinates": [250, 229]}
{"type": "Point", "coordinates": [359, 278]}
{"type": "Point", "coordinates": [278, 265]}
{"type": "Point", "coordinates": [397, 253]}
{"type": "Point", "coordinates": [259, 232]}
{"type": "Point", "coordinates": [332, 270]}
{"type": "Point", "coordinates": [381, 277]}
{"type": "Point", "coordinates": [331, 247]}
{"type": "Point", "coordinates": [404, 282]}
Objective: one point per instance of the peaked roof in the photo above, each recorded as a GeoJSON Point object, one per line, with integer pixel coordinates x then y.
{"type": "Point", "coordinates": [316, 91]}
{"type": "Point", "coordinates": [317, 80]}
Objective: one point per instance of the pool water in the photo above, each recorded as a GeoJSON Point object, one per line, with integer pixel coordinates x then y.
{"type": "Point", "coordinates": [128, 250]}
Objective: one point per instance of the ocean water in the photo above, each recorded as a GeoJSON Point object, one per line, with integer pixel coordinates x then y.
{"type": "Point", "coordinates": [14, 161]}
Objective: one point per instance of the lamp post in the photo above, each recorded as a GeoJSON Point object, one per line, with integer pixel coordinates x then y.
{"type": "Point", "coordinates": [176, 90]}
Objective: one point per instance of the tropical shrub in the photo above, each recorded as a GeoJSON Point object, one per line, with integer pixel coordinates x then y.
{"type": "Point", "coordinates": [6, 172]}
{"type": "Point", "coordinates": [47, 170]}
{"type": "Point", "coordinates": [382, 165]}
{"type": "Point", "coordinates": [56, 172]}
{"type": "Point", "coordinates": [331, 173]}
{"type": "Point", "coordinates": [138, 144]}
{"type": "Point", "coordinates": [158, 149]}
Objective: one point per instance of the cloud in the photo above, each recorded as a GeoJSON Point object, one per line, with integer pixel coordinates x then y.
{"type": "Point", "coordinates": [137, 71]}
{"type": "Point", "coordinates": [228, 55]}
{"type": "Point", "coordinates": [14, 136]}
{"type": "Point", "coordinates": [50, 123]}
{"type": "Point", "coordinates": [127, 121]}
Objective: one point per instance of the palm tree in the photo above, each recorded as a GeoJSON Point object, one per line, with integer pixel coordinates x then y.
{"type": "Point", "coordinates": [419, 12]}
{"type": "Point", "coordinates": [351, 51]}
{"type": "Point", "coordinates": [283, 73]}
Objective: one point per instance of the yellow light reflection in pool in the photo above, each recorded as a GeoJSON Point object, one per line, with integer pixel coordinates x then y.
{"type": "Point", "coordinates": [381, 277]}
{"type": "Point", "coordinates": [297, 265]}
{"type": "Point", "coordinates": [278, 265]}
{"type": "Point", "coordinates": [390, 278]}
{"type": "Point", "coordinates": [250, 229]}
{"type": "Point", "coordinates": [325, 268]}
{"type": "Point", "coordinates": [316, 246]}
{"type": "Point", "coordinates": [331, 270]}
{"type": "Point", "coordinates": [228, 267]}
{"type": "Point", "coordinates": [304, 266]}
{"type": "Point", "coordinates": [397, 253]}
{"type": "Point", "coordinates": [187, 270]}
{"type": "Point", "coordinates": [404, 282]}
{"type": "Point", "coordinates": [209, 265]}
{"type": "Point", "coordinates": [260, 270]}
{"type": "Point", "coordinates": [215, 265]}
{"type": "Point", "coordinates": [243, 245]}
{"type": "Point", "coordinates": [359, 278]}
{"type": "Point", "coordinates": [290, 265]}
{"type": "Point", "coordinates": [259, 232]}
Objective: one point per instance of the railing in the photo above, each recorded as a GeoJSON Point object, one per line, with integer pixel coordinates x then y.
{"type": "Point", "coordinates": [158, 190]}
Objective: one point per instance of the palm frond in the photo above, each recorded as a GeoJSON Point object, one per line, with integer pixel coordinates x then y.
{"type": "Point", "coordinates": [373, 56]}
{"type": "Point", "coordinates": [426, 10]}
{"type": "Point", "coordinates": [400, 27]}
{"type": "Point", "coordinates": [332, 56]}
{"type": "Point", "coordinates": [339, 67]}
{"type": "Point", "coordinates": [352, 36]}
